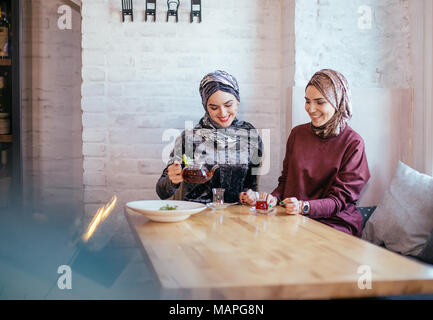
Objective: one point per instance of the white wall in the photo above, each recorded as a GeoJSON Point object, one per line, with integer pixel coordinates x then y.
{"type": "Point", "coordinates": [429, 90]}
{"type": "Point", "coordinates": [425, 105]}
{"type": "Point", "coordinates": [328, 36]}
{"type": "Point", "coordinates": [140, 79]}
{"type": "Point", "coordinates": [422, 61]}
{"type": "Point", "coordinates": [288, 47]}
{"type": "Point", "coordinates": [51, 77]}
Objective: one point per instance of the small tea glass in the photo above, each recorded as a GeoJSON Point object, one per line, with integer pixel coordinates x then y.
{"type": "Point", "coordinates": [262, 205]}
{"type": "Point", "coordinates": [218, 197]}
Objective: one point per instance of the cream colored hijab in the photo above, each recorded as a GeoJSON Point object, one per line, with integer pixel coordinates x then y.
{"type": "Point", "coordinates": [335, 89]}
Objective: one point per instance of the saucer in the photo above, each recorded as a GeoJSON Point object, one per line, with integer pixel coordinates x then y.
{"type": "Point", "coordinates": [269, 211]}
{"type": "Point", "coordinates": [219, 206]}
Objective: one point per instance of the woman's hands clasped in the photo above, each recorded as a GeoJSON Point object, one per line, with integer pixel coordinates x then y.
{"type": "Point", "coordinates": [249, 198]}
{"type": "Point", "coordinates": [292, 205]}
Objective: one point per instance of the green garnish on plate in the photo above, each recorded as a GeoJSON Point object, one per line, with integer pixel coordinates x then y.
{"type": "Point", "coordinates": [168, 207]}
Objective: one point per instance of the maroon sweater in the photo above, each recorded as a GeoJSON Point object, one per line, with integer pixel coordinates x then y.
{"type": "Point", "coordinates": [329, 173]}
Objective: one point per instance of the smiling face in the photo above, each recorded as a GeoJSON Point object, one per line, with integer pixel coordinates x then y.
{"type": "Point", "coordinates": [222, 108]}
{"type": "Point", "coordinates": [317, 107]}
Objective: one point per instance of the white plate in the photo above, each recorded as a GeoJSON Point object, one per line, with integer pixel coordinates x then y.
{"type": "Point", "coordinates": [151, 209]}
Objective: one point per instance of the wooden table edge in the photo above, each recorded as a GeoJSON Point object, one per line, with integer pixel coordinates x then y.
{"type": "Point", "coordinates": [313, 291]}
{"type": "Point", "coordinates": [147, 260]}
{"type": "Point", "coordinates": [317, 291]}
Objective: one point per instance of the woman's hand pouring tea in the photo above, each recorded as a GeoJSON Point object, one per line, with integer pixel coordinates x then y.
{"type": "Point", "coordinates": [175, 173]}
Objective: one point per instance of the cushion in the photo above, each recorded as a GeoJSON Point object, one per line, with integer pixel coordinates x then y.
{"type": "Point", "coordinates": [426, 254]}
{"type": "Point", "coordinates": [366, 212]}
{"type": "Point", "coordinates": [403, 219]}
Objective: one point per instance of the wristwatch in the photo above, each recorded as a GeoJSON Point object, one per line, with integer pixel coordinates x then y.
{"type": "Point", "coordinates": [305, 208]}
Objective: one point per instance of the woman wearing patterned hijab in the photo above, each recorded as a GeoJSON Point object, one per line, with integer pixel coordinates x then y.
{"type": "Point", "coordinates": [219, 138]}
{"type": "Point", "coordinates": [325, 167]}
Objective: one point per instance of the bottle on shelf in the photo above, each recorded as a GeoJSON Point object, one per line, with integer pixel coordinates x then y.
{"type": "Point", "coordinates": [5, 177]}
{"type": "Point", "coordinates": [3, 158]}
{"type": "Point", "coordinates": [4, 33]}
{"type": "Point", "coordinates": [5, 123]}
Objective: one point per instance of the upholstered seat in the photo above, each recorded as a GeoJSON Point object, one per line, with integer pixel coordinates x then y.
{"type": "Point", "coordinates": [366, 213]}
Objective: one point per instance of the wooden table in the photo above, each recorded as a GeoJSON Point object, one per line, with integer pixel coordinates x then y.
{"type": "Point", "coordinates": [232, 254]}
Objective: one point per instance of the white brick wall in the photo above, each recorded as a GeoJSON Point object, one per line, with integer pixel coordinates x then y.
{"type": "Point", "coordinates": [142, 78]}
{"type": "Point", "coordinates": [288, 49]}
{"type": "Point", "coordinates": [328, 36]}
{"type": "Point", "coordinates": [51, 132]}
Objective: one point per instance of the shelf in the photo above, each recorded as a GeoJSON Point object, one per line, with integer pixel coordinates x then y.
{"type": "Point", "coordinates": [12, 65]}
{"type": "Point", "coordinates": [5, 62]}
{"type": "Point", "coordinates": [5, 138]}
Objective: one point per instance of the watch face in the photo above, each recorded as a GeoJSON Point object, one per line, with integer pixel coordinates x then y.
{"type": "Point", "coordinates": [305, 208]}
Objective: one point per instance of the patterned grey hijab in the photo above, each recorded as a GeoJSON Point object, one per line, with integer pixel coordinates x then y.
{"type": "Point", "coordinates": [211, 83]}
{"type": "Point", "coordinates": [218, 80]}
{"type": "Point", "coordinates": [210, 142]}
{"type": "Point", "coordinates": [335, 89]}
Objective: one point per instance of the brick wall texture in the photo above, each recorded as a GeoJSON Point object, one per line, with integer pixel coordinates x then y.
{"type": "Point", "coordinates": [140, 79]}
{"type": "Point", "coordinates": [51, 109]}
{"type": "Point", "coordinates": [98, 99]}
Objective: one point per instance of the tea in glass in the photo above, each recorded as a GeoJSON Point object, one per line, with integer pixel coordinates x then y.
{"type": "Point", "coordinates": [262, 202]}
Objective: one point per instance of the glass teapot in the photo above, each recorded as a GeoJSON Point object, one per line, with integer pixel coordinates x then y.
{"type": "Point", "coordinates": [196, 172]}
